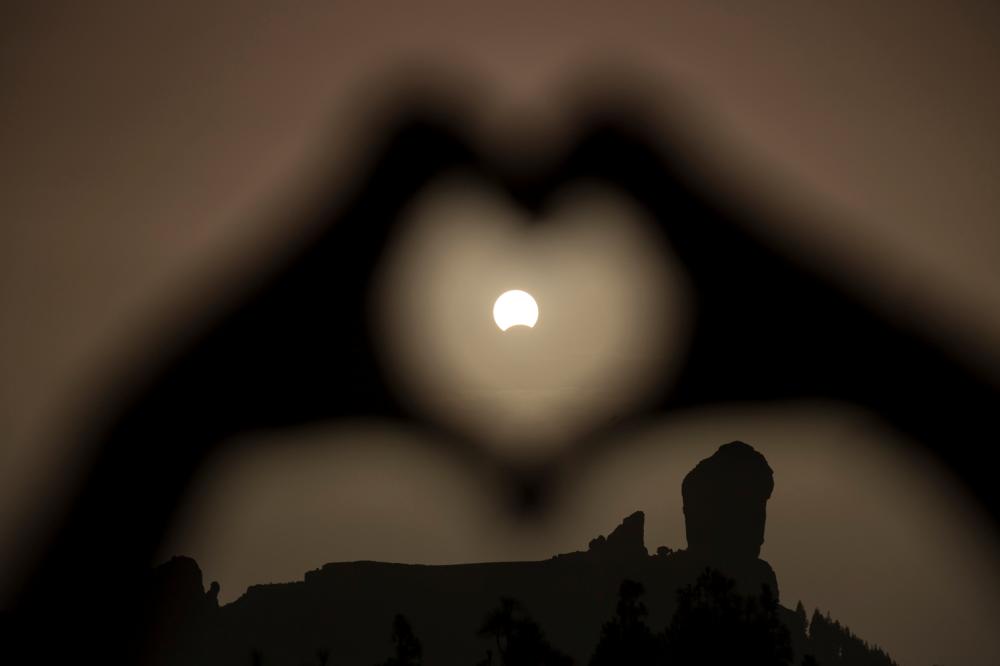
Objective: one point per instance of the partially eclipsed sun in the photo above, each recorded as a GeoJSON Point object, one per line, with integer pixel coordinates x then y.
{"type": "Point", "coordinates": [515, 308]}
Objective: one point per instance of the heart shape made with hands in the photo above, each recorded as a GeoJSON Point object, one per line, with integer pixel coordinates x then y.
{"type": "Point", "coordinates": [307, 341]}
{"type": "Point", "coordinates": [346, 327]}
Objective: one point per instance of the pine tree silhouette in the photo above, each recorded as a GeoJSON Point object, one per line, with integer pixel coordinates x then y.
{"type": "Point", "coordinates": [715, 625]}
{"type": "Point", "coordinates": [626, 638]}
{"type": "Point", "coordinates": [409, 651]}
{"type": "Point", "coordinates": [836, 645]}
{"type": "Point", "coordinates": [519, 639]}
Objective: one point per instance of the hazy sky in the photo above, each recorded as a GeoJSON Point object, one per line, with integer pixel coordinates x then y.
{"type": "Point", "coordinates": [146, 148]}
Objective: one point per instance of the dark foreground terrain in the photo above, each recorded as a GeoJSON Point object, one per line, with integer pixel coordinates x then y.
{"type": "Point", "coordinates": [613, 603]}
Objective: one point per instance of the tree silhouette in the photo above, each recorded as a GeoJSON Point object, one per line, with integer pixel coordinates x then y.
{"type": "Point", "coordinates": [715, 625]}
{"type": "Point", "coordinates": [626, 638]}
{"type": "Point", "coordinates": [499, 623]}
{"type": "Point", "coordinates": [409, 651]}
{"type": "Point", "coordinates": [519, 639]}
{"type": "Point", "coordinates": [801, 620]}
{"type": "Point", "coordinates": [836, 645]}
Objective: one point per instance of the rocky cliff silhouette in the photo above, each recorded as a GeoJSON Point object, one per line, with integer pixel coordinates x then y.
{"type": "Point", "coordinates": [345, 610]}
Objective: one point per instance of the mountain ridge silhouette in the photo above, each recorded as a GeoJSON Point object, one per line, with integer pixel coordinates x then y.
{"type": "Point", "coordinates": [345, 609]}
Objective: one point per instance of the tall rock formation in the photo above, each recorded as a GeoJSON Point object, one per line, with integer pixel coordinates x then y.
{"type": "Point", "coordinates": [725, 512]}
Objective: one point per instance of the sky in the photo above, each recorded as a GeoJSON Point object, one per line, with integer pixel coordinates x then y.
{"type": "Point", "coordinates": [145, 150]}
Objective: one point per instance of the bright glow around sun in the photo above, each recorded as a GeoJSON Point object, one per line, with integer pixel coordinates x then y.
{"type": "Point", "coordinates": [515, 308]}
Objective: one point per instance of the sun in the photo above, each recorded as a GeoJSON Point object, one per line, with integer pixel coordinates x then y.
{"type": "Point", "coordinates": [515, 308]}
